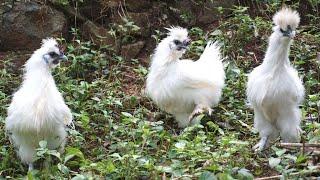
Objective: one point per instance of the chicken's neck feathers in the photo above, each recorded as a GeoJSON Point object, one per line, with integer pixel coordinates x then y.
{"type": "Point", "coordinates": [38, 76]}
{"type": "Point", "coordinates": [277, 55]}
{"type": "Point", "coordinates": [164, 57]}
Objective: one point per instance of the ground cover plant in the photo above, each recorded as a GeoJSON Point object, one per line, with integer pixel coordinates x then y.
{"type": "Point", "coordinates": [119, 134]}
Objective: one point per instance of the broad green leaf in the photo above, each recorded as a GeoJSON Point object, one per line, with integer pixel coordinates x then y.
{"type": "Point", "coordinates": [180, 144]}
{"type": "Point", "coordinates": [245, 174]}
{"type": "Point", "coordinates": [126, 114]}
{"type": "Point", "coordinates": [280, 152]}
{"type": "Point", "coordinates": [43, 144]}
{"type": "Point", "coordinates": [207, 176]}
{"type": "Point", "coordinates": [273, 162]}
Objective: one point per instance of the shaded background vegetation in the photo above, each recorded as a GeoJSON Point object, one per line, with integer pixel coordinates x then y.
{"type": "Point", "coordinates": [118, 132]}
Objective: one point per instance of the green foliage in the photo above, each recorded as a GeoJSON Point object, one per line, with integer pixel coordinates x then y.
{"type": "Point", "coordinates": [124, 30]}
{"type": "Point", "coordinates": [120, 135]}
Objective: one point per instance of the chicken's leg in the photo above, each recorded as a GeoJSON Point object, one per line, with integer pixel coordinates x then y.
{"type": "Point", "coordinates": [262, 144]}
{"type": "Point", "coordinates": [30, 167]}
{"type": "Point", "coordinates": [200, 109]}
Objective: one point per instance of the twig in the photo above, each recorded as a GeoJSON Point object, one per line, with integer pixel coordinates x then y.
{"type": "Point", "coordinates": [164, 177]}
{"type": "Point", "coordinates": [305, 173]}
{"type": "Point", "coordinates": [270, 177]}
{"type": "Point", "coordinates": [315, 145]}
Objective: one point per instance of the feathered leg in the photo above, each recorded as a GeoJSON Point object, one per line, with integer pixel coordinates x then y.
{"type": "Point", "coordinates": [59, 140]}
{"type": "Point", "coordinates": [182, 119]}
{"type": "Point", "coordinates": [27, 154]}
{"type": "Point", "coordinates": [30, 166]}
{"type": "Point", "coordinates": [267, 130]}
{"type": "Point", "coordinates": [289, 125]}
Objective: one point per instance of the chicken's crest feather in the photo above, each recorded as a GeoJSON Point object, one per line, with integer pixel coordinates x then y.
{"type": "Point", "coordinates": [286, 17]}
{"type": "Point", "coordinates": [177, 31]}
{"type": "Point", "coordinates": [49, 42]}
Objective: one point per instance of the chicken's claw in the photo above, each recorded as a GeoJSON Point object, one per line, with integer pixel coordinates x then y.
{"type": "Point", "coordinates": [261, 145]}
{"type": "Point", "coordinates": [200, 110]}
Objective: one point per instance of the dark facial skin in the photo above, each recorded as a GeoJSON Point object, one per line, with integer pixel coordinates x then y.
{"type": "Point", "coordinates": [56, 57]}
{"type": "Point", "coordinates": [287, 32]}
{"type": "Point", "coordinates": [181, 45]}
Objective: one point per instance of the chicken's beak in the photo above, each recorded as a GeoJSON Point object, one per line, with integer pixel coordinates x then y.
{"type": "Point", "coordinates": [181, 47]}
{"type": "Point", "coordinates": [289, 33]}
{"type": "Point", "coordinates": [63, 57]}
{"type": "Point", "coordinates": [292, 34]}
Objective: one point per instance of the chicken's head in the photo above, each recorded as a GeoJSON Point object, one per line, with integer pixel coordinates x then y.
{"type": "Point", "coordinates": [178, 39]}
{"type": "Point", "coordinates": [51, 53]}
{"type": "Point", "coordinates": [286, 21]}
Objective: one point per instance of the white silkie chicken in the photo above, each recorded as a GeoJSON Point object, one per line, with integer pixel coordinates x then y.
{"type": "Point", "coordinates": [274, 88]}
{"type": "Point", "coordinates": [38, 111]}
{"type": "Point", "coordinates": [185, 88]}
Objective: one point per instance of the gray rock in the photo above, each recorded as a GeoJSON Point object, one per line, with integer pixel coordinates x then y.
{"type": "Point", "coordinates": [200, 13]}
{"type": "Point", "coordinates": [130, 5]}
{"type": "Point", "coordinates": [210, 13]}
{"type": "Point", "coordinates": [130, 51]}
{"type": "Point", "coordinates": [134, 6]}
{"type": "Point", "coordinates": [99, 35]}
{"type": "Point", "coordinates": [27, 23]}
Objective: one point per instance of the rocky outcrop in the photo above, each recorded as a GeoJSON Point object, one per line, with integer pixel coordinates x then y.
{"type": "Point", "coordinates": [200, 12]}
{"type": "Point", "coordinates": [132, 50]}
{"type": "Point", "coordinates": [98, 35]}
{"type": "Point", "coordinates": [24, 25]}
{"type": "Point", "coordinates": [129, 5]}
{"type": "Point", "coordinates": [110, 23]}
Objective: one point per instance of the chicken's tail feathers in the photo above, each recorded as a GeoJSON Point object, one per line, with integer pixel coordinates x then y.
{"type": "Point", "coordinates": [211, 52]}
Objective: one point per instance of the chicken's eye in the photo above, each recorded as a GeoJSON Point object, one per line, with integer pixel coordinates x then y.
{"type": "Point", "coordinates": [176, 42]}
{"type": "Point", "coordinates": [53, 54]}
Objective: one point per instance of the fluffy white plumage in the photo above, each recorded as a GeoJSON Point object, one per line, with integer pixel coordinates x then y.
{"type": "Point", "coordinates": [38, 111]}
{"type": "Point", "coordinates": [274, 88]}
{"type": "Point", "coordinates": [184, 88]}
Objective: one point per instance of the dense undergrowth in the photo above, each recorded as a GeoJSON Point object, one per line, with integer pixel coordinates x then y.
{"type": "Point", "coordinates": [119, 133]}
